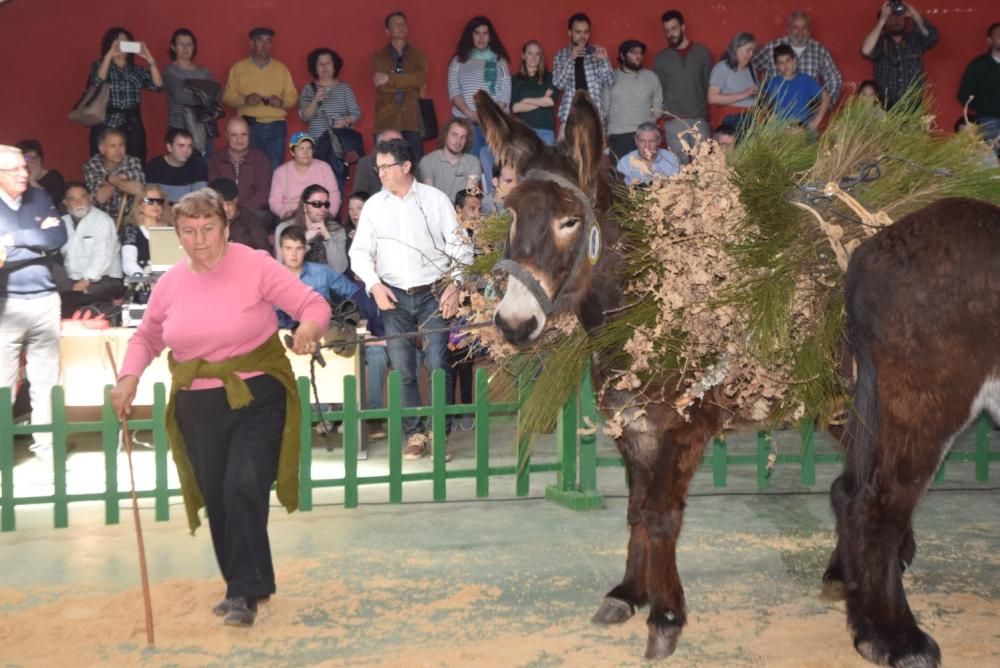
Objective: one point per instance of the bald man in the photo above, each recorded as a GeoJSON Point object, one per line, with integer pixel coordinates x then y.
{"type": "Point", "coordinates": [249, 167]}
{"type": "Point", "coordinates": [30, 233]}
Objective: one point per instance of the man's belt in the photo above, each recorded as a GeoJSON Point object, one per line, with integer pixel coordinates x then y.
{"type": "Point", "coordinates": [415, 290]}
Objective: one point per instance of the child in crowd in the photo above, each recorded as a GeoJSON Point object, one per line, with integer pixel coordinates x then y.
{"type": "Point", "coordinates": [796, 97]}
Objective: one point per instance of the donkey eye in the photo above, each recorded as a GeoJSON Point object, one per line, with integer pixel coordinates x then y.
{"type": "Point", "coordinates": [569, 223]}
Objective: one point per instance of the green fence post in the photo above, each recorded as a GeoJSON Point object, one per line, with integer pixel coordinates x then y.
{"type": "Point", "coordinates": [720, 467]}
{"type": "Point", "coordinates": [351, 435]}
{"type": "Point", "coordinates": [482, 433]}
{"type": "Point", "coordinates": [939, 475]}
{"type": "Point", "coordinates": [109, 445]}
{"type": "Point", "coordinates": [58, 429]}
{"type": "Point", "coordinates": [394, 433]}
{"type": "Point", "coordinates": [588, 442]}
{"type": "Point", "coordinates": [439, 403]}
{"type": "Point", "coordinates": [305, 445]}
{"type": "Point", "coordinates": [763, 451]}
{"type": "Point", "coordinates": [983, 429]}
{"type": "Point", "coordinates": [160, 448]}
{"type": "Point", "coordinates": [522, 473]}
{"type": "Point", "coordinates": [7, 516]}
{"type": "Point", "coordinates": [808, 473]}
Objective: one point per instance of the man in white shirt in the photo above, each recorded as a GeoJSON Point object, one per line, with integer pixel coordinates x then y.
{"type": "Point", "coordinates": [408, 251]}
{"type": "Point", "coordinates": [91, 255]}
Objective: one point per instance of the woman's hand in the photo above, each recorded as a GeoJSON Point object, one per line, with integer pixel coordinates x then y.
{"type": "Point", "coordinates": [145, 54]}
{"type": "Point", "coordinates": [122, 396]}
{"type": "Point", "coordinates": [306, 339]}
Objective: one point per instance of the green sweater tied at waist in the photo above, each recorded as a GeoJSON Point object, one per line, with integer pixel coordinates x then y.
{"type": "Point", "coordinates": [268, 358]}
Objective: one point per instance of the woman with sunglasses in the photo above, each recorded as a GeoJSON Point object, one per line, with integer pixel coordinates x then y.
{"type": "Point", "coordinates": [326, 239]}
{"type": "Point", "coordinates": [152, 211]}
{"type": "Point", "coordinates": [291, 178]}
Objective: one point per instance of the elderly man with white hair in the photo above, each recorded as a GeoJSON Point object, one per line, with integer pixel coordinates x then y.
{"type": "Point", "coordinates": [30, 233]}
{"type": "Point", "coordinates": [648, 160]}
{"type": "Point", "coordinates": [813, 58]}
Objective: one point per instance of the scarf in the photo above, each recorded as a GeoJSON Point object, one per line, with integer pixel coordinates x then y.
{"type": "Point", "coordinates": [489, 58]}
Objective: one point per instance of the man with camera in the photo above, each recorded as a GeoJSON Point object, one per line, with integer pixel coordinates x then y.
{"type": "Point", "coordinates": [897, 49]}
{"type": "Point", "coordinates": [581, 66]}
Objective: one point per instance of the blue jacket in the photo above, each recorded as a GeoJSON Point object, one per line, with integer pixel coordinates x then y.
{"type": "Point", "coordinates": [27, 272]}
{"type": "Point", "coordinates": [334, 287]}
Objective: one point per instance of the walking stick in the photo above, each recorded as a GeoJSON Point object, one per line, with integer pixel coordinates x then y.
{"type": "Point", "coordinates": [147, 602]}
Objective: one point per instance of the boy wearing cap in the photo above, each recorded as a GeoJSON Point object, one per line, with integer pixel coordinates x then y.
{"type": "Point", "coordinates": [262, 91]}
{"type": "Point", "coordinates": [636, 97]}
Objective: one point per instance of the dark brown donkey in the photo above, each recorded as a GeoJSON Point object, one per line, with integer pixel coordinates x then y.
{"type": "Point", "coordinates": [923, 300]}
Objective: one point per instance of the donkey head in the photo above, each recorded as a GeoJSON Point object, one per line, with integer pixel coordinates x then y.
{"type": "Point", "coordinates": [555, 235]}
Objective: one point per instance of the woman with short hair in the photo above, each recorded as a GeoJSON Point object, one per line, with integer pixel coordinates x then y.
{"type": "Point", "coordinates": [150, 210]}
{"type": "Point", "coordinates": [183, 49]}
{"type": "Point", "coordinates": [291, 178]}
{"type": "Point", "coordinates": [233, 414]}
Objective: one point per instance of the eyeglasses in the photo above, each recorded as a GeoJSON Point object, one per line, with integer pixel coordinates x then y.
{"type": "Point", "coordinates": [154, 201]}
{"type": "Point", "coordinates": [317, 204]}
{"type": "Point", "coordinates": [15, 170]}
{"type": "Point", "coordinates": [379, 169]}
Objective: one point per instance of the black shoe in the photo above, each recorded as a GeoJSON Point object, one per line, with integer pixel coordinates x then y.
{"type": "Point", "coordinates": [222, 608]}
{"type": "Point", "coordinates": [242, 611]}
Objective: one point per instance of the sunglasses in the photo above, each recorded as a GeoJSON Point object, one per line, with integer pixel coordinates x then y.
{"type": "Point", "coordinates": [158, 201]}
{"type": "Point", "coordinates": [316, 204]}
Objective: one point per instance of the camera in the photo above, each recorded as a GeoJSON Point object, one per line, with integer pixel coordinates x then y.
{"type": "Point", "coordinates": [129, 47]}
{"type": "Point", "coordinates": [897, 7]}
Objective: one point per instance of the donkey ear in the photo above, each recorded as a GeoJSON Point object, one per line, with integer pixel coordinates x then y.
{"type": "Point", "coordinates": [585, 139]}
{"type": "Point", "coordinates": [512, 142]}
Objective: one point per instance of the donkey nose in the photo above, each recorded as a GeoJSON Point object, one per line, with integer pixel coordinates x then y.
{"type": "Point", "coordinates": [516, 333]}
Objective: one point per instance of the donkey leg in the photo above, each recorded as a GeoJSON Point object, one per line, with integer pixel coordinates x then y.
{"type": "Point", "coordinates": [662, 517]}
{"type": "Point", "coordinates": [885, 630]}
{"type": "Point", "coordinates": [833, 577]}
{"type": "Point", "coordinates": [624, 599]}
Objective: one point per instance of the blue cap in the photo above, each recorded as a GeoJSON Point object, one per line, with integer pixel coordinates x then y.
{"type": "Point", "coordinates": [298, 138]}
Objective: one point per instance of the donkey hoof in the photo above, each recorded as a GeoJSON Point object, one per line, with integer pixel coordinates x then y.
{"type": "Point", "coordinates": [663, 635]}
{"type": "Point", "coordinates": [923, 652]}
{"type": "Point", "coordinates": [613, 611]}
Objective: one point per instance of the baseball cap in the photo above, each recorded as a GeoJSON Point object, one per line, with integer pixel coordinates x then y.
{"type": "Point", "coordinates": [298, 138]}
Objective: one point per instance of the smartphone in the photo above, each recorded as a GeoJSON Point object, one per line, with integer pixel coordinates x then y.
{"type": "Point", "coordinates": [590, 50]}
{"type": "Point", "coordinates": [129, 47]}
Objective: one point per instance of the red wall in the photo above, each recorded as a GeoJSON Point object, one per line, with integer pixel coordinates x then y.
{"type": "Point", "coordinates": [47, 45]}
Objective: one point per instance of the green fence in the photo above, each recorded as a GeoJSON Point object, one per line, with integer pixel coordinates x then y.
{"type": "Point", "coordinates": [574, 468]}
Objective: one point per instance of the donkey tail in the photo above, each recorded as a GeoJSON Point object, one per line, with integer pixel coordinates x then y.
{"type": "Point", "coordinates": [863, 424]}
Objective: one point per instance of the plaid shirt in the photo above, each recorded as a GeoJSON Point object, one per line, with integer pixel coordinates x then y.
{"type": "Point", "coordinates": [126, 89]}
{"type": "Point", "coordinates": [815, 61]}
{"type": "Point", "coordinates": [95, 175]}
{"type": "Point", "coordinates": [896, 66]}
{"type": "Point", "coordinates": [600, 76]}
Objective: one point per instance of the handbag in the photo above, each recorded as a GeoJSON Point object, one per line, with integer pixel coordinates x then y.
{"type": "Point", "coordinates": [92, 107]}
{"type": "Point", "coordinates": [428, 119]}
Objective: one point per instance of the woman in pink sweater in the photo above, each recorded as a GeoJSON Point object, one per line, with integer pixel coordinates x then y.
{"type": "Point", "coordinates": [233, 415]}
{"type": "Point", "coordinates": [291, 178]}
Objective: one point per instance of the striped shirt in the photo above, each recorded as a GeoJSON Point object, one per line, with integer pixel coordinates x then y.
{"type": "Point", "coordinates": [338, 103]}
{"type": "Point", "coordinates": [465, 79]}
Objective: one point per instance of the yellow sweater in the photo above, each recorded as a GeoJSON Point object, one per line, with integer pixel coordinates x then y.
{"type": "Point", "coordinates": [245, 78]}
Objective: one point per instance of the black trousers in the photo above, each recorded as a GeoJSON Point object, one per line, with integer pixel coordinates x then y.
{"type": "Point", "coordinates": [234, 454]}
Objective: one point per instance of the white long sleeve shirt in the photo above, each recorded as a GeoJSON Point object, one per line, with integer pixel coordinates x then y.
{"type": "Point", "coordinates": [92, 250]}
{"type": "Point", "coordinates": [410, 241]}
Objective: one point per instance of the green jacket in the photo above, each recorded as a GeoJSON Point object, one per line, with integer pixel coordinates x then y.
{"type": "Point", "coordinates": [268, 358]}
